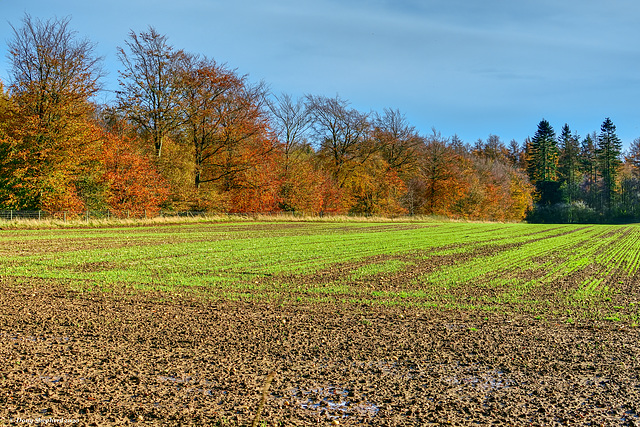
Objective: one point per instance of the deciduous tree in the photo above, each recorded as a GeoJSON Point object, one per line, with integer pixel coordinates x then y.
{"type": "Point", "coordinates": [54, 75]}
{"type": "Point", "coordinates": [130, 179]}
{"type": "Point", "coordinates": [210, 96]}
{"type": "Point", "coordinates": [396, 140]}
{"type": "Point", "coordinates": [441, 176]}
{"type": "Point", "coordinates": [240, 139]}
{"type": "Point", "coordinates": [150, 90]}
{"type": "Point", "coordinates": [343, 135]}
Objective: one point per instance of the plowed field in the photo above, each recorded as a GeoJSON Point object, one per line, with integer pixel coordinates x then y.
{"type": "Point", "coordinates": [362, 324]}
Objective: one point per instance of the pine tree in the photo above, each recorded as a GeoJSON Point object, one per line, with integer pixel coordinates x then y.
{"type": "Point", "coordinates": [543, 164]}
{"type": "Point", "coordinates": [589, 169]}
{"type": "Point", "coordinates": [569, 162]}
{"type": "Point", "coordinates": [609, 148]}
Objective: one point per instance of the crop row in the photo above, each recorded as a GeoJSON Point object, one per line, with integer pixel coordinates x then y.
{"type": "Point", "coordinates": [445, 265]}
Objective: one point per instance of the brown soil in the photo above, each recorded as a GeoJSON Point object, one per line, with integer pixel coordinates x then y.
{"type": "Point", "coordinates": [148, 358]}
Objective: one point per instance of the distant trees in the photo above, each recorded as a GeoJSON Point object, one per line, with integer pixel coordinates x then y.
{"type": "Point", "coordinates": [187, 132]}
{"type": "Point", "coordinates": [54, 154]}
{"type": "Point", "coordinates": [596, 185]}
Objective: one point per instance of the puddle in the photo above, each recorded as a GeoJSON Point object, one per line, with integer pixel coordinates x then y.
{"type": "Point", "coordinates": [456, 327]}
{"type": "Point", "coordinates": [51, 379]}
{"type": "Point", "coordinates": [489, 381]}
{"type": "Point", "coordinates": [177, 380]}
{"type": "Point", "coordinates": [181, 384]}
{"type": "Point", "coordinates": [333, 401]}
{"type": "Point", "coordinates": [630, 415]}
{"type": "Point", "coordinates": [32, 338]}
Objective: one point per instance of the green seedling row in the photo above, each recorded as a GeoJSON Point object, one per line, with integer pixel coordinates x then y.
{"type": "Point", "coordinates": [542, 270]}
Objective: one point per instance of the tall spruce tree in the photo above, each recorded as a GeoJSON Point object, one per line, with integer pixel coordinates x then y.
{"type": "Point", "coordinates": [543, 164]}
{"type": "Point", "coordinates": [569, 163]}
{"type": "Point", "coordinates": [608, 151]}
{"type": "Point", "coordinates": [589, 169]}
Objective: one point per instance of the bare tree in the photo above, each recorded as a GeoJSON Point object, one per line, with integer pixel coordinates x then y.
{"type": "Point", "coordinates": [150, 90]}
{"type": "Point", "coordinates": [632, 157]}
{"type": "Point", "coordinates": [52, 71]}
{"type": "Point", "coordinates": [290, 122]}
{"type": "Point", "coordinates": [396, 139]}
{"type": "Point", "coordinates": [343, 134]}
{"type": "Point", "coordinates": [208, 88]}
{"type": "Point", "coordinates": [239, 139]}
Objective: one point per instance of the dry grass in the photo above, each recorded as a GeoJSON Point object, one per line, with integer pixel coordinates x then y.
{"type": "Point", "coordinates": [28, 224]}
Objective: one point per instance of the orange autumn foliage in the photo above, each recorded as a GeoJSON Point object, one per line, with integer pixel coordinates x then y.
{"type": "Point", "coordinates": [132, 182]}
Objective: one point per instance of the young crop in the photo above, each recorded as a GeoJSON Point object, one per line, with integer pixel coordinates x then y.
{"type": "Point", "coordinates": [537, 269]}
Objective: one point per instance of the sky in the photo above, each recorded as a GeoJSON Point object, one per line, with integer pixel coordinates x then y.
{"type": "Point", "coordinates": [465, 67]}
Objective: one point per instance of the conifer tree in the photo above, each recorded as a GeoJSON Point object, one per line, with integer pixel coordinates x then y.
{"type": "Point", "coordinates": [543, 163]}
{"type": "Point", "coordinates": [589, 169]}
{"type": "Point", "coordinates": [569, 162]}
{"type": "Point", "coordinates": [608, 150]}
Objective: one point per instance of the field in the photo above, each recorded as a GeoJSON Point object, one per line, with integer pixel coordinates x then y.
{"type": "Point", "coordinates": [377, 323]}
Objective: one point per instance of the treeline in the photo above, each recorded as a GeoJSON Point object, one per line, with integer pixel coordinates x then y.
{"type": "Point", "coordinates": [187, 133]}
{"type": "Point", "coordinates": [582, 180]}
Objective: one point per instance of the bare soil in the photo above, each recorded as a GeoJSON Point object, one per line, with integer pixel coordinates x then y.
{"type": "Point", "coordinates": [149, 358]}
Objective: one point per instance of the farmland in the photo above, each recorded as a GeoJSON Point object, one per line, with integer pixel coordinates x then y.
{"type": "Point", "coordinates": [387, 323]}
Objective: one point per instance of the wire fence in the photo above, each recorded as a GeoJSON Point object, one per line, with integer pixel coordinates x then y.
{"type": "Point", "coordinates": [89, 215]}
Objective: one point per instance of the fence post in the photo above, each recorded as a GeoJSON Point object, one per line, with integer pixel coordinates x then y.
{"type": "Point", "coordinates": [87, 215]}
{"type": "Point", "coordinates": [39, 215]}
{"type": "Point", "coordinates": [65, 216]}
{"type": "Point", "coordinates": [11, 214]}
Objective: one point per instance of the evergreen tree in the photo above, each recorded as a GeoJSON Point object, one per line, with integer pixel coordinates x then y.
{"type": "Point", "coordinates": [589, 168]}
{"type": "Point", "coordinates": [543, 164]}
{"type": "Point", "coordinates": [569, 163]}
{"type": "Point", "coordinates": [609, 148]}
{"type": "Point", "coordinates": [544, 152]}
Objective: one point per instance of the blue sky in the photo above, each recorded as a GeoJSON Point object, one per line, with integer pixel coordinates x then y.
{"type": "Point", "coordinates": [470, 67]}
